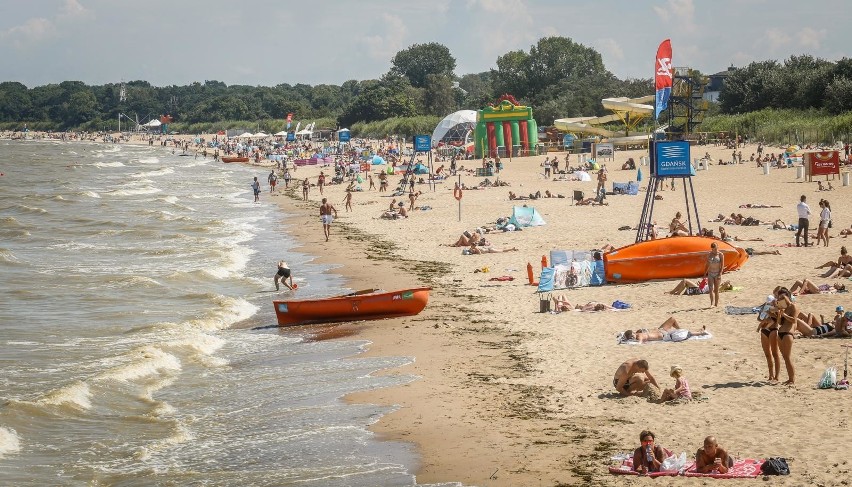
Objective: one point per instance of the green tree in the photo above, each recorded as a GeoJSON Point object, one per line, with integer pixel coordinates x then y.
{"type": "Point", "coordinates": [511, 74]}
{"type": "Point", "coordinates": [838, 95]}
{"type": "Point", "coordinates": [81, 107]}
{"type": "Point", "coordinates": [439, 96]}
{"type": "Point", "coordinates": [420, 60]}
{"type": "Point", "coordinates": [15, 102]}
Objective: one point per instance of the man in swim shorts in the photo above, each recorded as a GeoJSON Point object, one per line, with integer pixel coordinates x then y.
{"type": "Point", "coordinates": [624, 382]}
{"type": "Point", "coordinates": [326, 209]}
{"type": "Point", "coordinates": [255, 186]}
{"type": "Point", "coordinates": [282, 275]}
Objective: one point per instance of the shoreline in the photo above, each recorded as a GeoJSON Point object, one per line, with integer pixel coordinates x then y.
{"type": "Point", "coordinates": [510, 396]}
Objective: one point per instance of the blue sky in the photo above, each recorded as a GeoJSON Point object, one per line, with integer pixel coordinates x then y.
{"type": "Point", "coordinates": [267, 42]}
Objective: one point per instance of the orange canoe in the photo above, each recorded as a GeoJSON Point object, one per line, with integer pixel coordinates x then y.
{"type": "Point", "coordinates": [235, 159]}
{"type": "Point", "coordinates": [362, 305]}
{"type": "Point", "coordinates": [668, 258]}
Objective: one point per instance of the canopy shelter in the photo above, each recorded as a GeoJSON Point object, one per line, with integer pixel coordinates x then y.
{"type": "Point", "coordinates": [245, 135]}
{"type": "Point", "coordinates": [153, 123]}
{"type": "Point", "coordinates": [455, 129]}
{"type": "Point", "coordinates": [260, 135]}
{"type": "Point", "coordinates": [283, 133]}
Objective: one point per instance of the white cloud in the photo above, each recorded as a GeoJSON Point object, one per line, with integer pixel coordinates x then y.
{"type": "Point", "coordinates": [73, 8]}
{"type": "Point", "coordinates": [384, 46]}
{"type": "Point", "coordinates": [609, 48]}
{"type": "Point", "coordinates": [680, 14]}
{"type": "Point", "coordinates": [34, 30]}
{"type": "Point", "coordinates": [811, 38]}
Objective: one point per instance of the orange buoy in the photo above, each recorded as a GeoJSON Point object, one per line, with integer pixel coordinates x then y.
{"type": "Point", "coordinates": [543, 261]}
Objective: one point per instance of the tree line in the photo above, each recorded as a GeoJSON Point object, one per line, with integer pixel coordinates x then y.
{"type": "Point", "coordinates": [557, 77]}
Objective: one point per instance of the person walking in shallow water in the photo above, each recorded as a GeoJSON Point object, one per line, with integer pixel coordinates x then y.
{"type": "Point", "coordinates": [282, 275]}
{"type": "Point", "coordinates": [255, 186]}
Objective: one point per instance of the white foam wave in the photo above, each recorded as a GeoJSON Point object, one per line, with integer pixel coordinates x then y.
{"type": "Point", "coordinates": [150, 361]}
{"type": "Point", "coordinates": [133, 192]}
{"type": "Point", "coordinates": [108, 164]}
{"type": "Point", "coordinates": [181, 434]}
{"type": "Point", "coordinates": [231, 310]}
{"type": "Point", "coordinates": [90, 194]}
{"type": "Point", "coordinates": [9, 441]}
{"type": "Point", "coordinates": [168, 199]}
{"type": "Point", "coordinates": [149, 160]}
{"type": "Point", "coordinates": [159, 172]}
{"type": "Point", "coordinates": [76, 395]}
{"type": "Point", "coordinates": [8, 257]}
{"type": "Point", "coordinates": [31, 209]}
{"type": "Point", "coordinates": [198, 343]}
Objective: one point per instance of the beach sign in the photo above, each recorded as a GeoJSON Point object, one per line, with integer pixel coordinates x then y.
{"type": "Point", "coordinates": [422, 143]}
{"type": "Point", "coordinates": [671, 159]}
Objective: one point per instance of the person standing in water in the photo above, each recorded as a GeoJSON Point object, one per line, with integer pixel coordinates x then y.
{"type": "Point", "coordinates": [282, 275]}
{"type": "Point", "coordinates": [255, 186]}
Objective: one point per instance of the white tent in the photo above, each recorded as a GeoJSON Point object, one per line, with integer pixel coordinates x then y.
{"type": "Point", "coordinates": [343, 130]}
{"type": "Point", "coordinates": [281, 134]}
{"type": "Point", "coordinates": [245, 135]}
{"type": "Point", "coordinates": [455, 127]}
{"type": "Point", "coordinates": [260, 135]}
{"type": "Point", "coordinates": [153, 123]}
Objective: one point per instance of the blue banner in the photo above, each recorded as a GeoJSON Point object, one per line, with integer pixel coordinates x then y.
{"type": "Point", "coordinates": [672, 159]}
{"type": "Point", "coordinates": [291, 136]}
{"type": "Point", "coordinates": [662, 103]}
{"type": "Point", "coordinates": [343, 136]}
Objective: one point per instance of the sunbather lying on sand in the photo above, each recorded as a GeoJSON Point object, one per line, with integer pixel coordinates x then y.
{"type": "Point", "coordinates": [476, 249]}
{"type": "Point", "coordinates": [806, 286]}
{"type": "Point", "coordinates": [467, 238]}
{"type": "Point", "coordinates": [691, 287]}
{"type": "Point", "coordinates": [561, 304]}
{"type": "Point", "coordinates": [669, 331]}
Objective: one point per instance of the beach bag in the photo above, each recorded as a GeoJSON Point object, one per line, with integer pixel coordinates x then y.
{"type": "Point", "coordinates": [620, 305]}
{"type": "Point", "coordinates": [828, 379]}
{"type": "Point", "coordinates": [674, 463]}
{"type": "Point", "coordinates": [829, 224]}
{"type": "Point", "coordinates": [775, 466]}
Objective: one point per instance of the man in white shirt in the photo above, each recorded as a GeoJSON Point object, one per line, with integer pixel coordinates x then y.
{"type": "Point", "coordinates": [804, 213]}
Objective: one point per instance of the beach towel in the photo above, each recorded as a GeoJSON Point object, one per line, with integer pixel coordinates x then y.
{"type": "Point", "coordinates": [620, 339]}
{"type": "Point", "coordinates": [742, 310]}
{"type": "Point", "coordinates": [747, 468]}
{"type": "Point", "coordinates": [626, 468]}
{"type": "Point", "coordinates": [545, 281]}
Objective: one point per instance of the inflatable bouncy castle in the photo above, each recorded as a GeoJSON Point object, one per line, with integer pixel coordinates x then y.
{"type": "Point", "coordinates": [507, 129]}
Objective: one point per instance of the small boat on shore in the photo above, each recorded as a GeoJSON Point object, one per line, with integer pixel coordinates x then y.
{"type": "Point", "coordinates": [668, 258]}
{"type": "Point", "coordinates": [369, 304]}
{"type": "Point", "coordinates": [235, 159]}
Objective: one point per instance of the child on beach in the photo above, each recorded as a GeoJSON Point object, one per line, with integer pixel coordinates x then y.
{"type": "Point", "coordinates": [681, 390]}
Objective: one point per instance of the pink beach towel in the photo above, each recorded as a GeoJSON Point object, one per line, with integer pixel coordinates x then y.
{"type": "Point", "coordinates": [747, 468]}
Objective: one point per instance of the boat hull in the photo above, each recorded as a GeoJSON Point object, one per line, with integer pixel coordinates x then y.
{"type": "Point", "coordinates": [357, 307]}
{"type": "Point", "coordinates": [668, 258]}
{"type": "Point", "coordinates": [235, 159]}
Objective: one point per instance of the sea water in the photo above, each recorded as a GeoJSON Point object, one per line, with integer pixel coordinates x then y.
{"type": "Point", "coordinates": [137, 337]}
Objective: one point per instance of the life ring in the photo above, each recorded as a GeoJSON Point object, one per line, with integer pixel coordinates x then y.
{"type": "Point", "coordinates": [457, 193]}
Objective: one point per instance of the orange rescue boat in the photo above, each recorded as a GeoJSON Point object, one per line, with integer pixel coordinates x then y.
{"type": "Point", "coordinates": [235, 159]}
{"type": "Point", "coordinates": [668, 258]}
{"type": "Point", "coordinates": [371, 304]}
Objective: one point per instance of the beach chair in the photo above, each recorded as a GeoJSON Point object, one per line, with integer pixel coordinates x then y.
{"type": "Point", "coordinates": [578, 196]}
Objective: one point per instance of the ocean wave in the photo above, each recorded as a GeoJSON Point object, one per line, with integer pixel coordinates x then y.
{"type": "Point", "coordinates": [230, 311]}
{"type": "Point", "coordinates": [131, 281]}
{"type": "Point", "coordinates": [14, 233]}
{"type": "Point", "coordinates": [90, 194]}
{"type": "Point", "coordinates": [149, 160]}
{"type": "Point", "coordinates": [159, 172]}
{"type": "Point", "coordinates": [168, 199]}
{"type": "Point", "coordinates": [9, 441]}
{"type": "Point", "coordinates": [134, 192]}
{"type": "Point", "coordinates": [180, 434]}
{"type": "Point", "coordinates": [76, 395]}
{"type": "Point", "coordinates": [107, 164]}
{"type": "Point", "coordinates": [10, 221]}
{"type": "Point", "coordinates": [149, 361]}
{"type": "Point", "coordinates": [29, 209]}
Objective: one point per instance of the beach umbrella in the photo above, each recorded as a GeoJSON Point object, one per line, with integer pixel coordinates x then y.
{"type": "Point", "coordinates": [245, 135]}
{"type": "Point", "coordinates": [377, 160]}
{"type": "Point", "coordinates": [260, 135]}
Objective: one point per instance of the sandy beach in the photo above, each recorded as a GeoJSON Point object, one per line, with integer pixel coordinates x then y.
{"type": "Point", "coordinates": [511, 396]}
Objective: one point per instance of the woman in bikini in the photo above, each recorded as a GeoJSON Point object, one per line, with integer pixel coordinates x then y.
{"type": "Point", "coordinates": [713, 273]}
{"type": "Point", "coordinates": [663, 333]}
{"type": "Point", "coordinates": [769, 337]}
{"type": "Point", "coordinates": [787, 323]}
{"type": "Point", "coordinates": [806, 286]}
{"type": "Point", "coordinates": [844, 260]}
